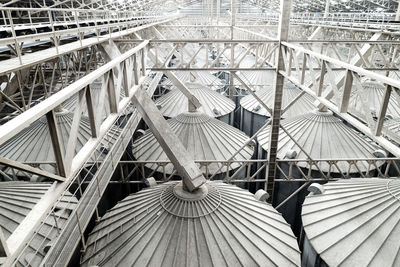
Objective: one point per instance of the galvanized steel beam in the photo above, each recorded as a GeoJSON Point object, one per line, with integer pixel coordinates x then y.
{"type": "Point", "coordinates": [276, 111]}
{"type": "Point", "coordinates": [191, 175]}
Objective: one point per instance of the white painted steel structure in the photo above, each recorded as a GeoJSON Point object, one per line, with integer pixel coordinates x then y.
{"type": "Point", "coordinates": [54, 50]}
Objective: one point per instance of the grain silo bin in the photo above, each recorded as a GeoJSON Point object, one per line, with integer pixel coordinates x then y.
{"type": "Point", "coordinates": [352, 222]}
{"type": "Point", "coordinates": [369, 100]}
{"type": "Point", "coordinates": [212, 103]}
{"type": "Point", "coordinates": [202, 77]}
{"type": "Point", "coordinates": [99, 99]}
{"type": "Point", "coordinates": [33, 144]}
{"type": "Point", "coordinates": [254, 115]}
{"type": "Point", "coordinates": [218, 225]}
{"type": "Point", "coordinates": [392, 129]}
{"type": "Point", "coordinates": [322, 136]}
{"type": "Point", "coordinates": [206, 138]}
{"type": "Point", "coordinates": [17, 200]}
{"type": "Point", "coordinates": [258, 79]}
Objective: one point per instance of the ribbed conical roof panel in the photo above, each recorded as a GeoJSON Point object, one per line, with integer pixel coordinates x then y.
{"type": "Point", "coordinates": [370, 99]}
{"type": "Point", "coordinates": [355, 222]}
{"type": "Point", "coordinates": [303, 105]}
{"type": "Point", "coordinates": [226, 227]}
{"type": "Point", "coordinates": [95, 89]}
{"type": "Point", "coordinates": [201, 77]}
{"type": "Point", "coordinates": [204, 137]}
{"type": "Point", "coordinates": [258, 79]}
{"type": "Point", "coordinates": [17, 200]}
{"type": "Point", "coordinates": [212, 103]}
{"type": "Point", "coordinates": [33, 144]}
{"type": "Point", "coordinates": [322, 136]}
{"type": "Point", "coordinates": [392, 129]}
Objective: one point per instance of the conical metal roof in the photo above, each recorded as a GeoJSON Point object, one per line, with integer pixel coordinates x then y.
{"type": "Point", "coordinates": [248, 61]}
{"type": "Point", "coordinates": [212, 103]}
{"type": "Point", "coordinates": [392, 129]}
{"type": "Point", "coordinates": [95, 89]}
{"type": "Point", "coordinates": [259, 79]}
{"type": "Point", "coordinates": [220, 225]}
{"type": "Point", "coordinates": [33, 144]}
{"type": "Point", "coordinates": [17, 200]}
{"type": "Point", "coordinates": [322, 136]}
{"type": "Point", "coordinates": [303, 105]}
{"type": "Point", "coordinates": [204, 137]}
{"type": "Point", "coordinates": [201, 77]}
{"type": "Point", "coordinates": [72, 102]}
{"type": "Point", "coordinates": [355, 222]}
{"type": "Point", "coordinates": [370, 100]}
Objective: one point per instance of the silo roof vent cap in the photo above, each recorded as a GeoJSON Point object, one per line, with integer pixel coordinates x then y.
{"type": "Point", "coordinates": [380, 153]}
{"type": "Point", "coordinates": [316, 189]}
{"type": "Point", "coordinates": [257, 108]}
{"type": "Point", "coordinates": [150, 182]}
{"type": "Point", "coordinates": [216, 111]}
{"type": "Point", "coordinates": [261, 195]}
{"type": "Point", "coordinates": [291, 154]}
{"type": "Point", "coordinates": [389, 117]}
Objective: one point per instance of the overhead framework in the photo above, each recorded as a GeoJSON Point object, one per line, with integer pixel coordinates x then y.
{"type": "Point", "coordinates": [53, 51]}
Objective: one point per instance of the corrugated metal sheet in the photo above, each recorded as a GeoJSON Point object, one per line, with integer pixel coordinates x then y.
{"type": "Point", "coordinates": [355, 222]}
{"type": "Point", "coordinates": [201, 77]}
{"type": "Point", "coordinates": [303, 105]}
{"type": "Point", "coordinates": [33, 144]}
{"type": "Point", "coordinates": [95, 89]}
{"type": "Point", "coordinates": [17, 200]}
{"type": "Point", "coordinates": [322, 136]}
{"type": "Point", "coordinates": [213, 104]}
{"type": "Point", "coordinates": [370, 99]}
{"type": "Point", "coordinates": [204, 137]}
{"type": "Point", "coordinates": [259, 79]}
{"type": "Point", "coordinates": [392, 129]}
{"type": "Point", "coordinates": [225, 227]}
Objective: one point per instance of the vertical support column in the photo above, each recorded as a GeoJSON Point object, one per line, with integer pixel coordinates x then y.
{"type": "Point", "coordinates": [283, 32]}
{"type": "Point", "coordinates": [327, 5]}
{"type": "Point", "coordinates": [144, 61]}
{"type": "Point", "coordinates": [233, 22]}
{"type": "Point", "coordinates": [92, 117]}
{"type": "Point", "coordinates": [218, 12]}
{"type": "Point", "coordinates": [397, 18]}
{"type": "Point", "coordinates": [233, 16]}
{"type": "Point", "coordinates": [321, 78]}
{"type": "Point", "coordinates": [56, 141]}
{"type": "Point", "coordinates": [112, 97]}
{"type": "Point", "coordinates": [231, 83]}
{"type": "Point", "coordinates": [348, 83]}
{"type": "Point", "coordinates": [382, 112]}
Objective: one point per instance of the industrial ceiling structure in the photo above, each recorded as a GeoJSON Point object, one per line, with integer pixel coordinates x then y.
{"type": "Point", "coordinates": [101, 98]}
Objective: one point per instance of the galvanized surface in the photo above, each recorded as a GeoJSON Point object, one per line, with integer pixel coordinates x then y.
{"type": "Point", "coordinates": [355, 222]}
{"type": "Point", "coordinates": [303, 105]}
{"type": "Point", "coordinates": [95, 89]}
{"type": "Point", "coordinates": [204, 137]}
{"type": "Point", "coordinates": [201, 77]}
{"type": "Point", "coordinates": [322, 136]}
{"type": "Point", "coordinates": [370, 98]}
{"type": "Point", "coordinates": [392, 129]}
{"type": "Point", "coordinates": [33, 144]}
{"type": "Point", "coordinates": [222, 226]}
{"type": "Point", "coordinates": [17, 199]}
{"type": "Point", "coordinates": [258, 79]}
{"type": "Point", "coordinates": [212, 103]}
